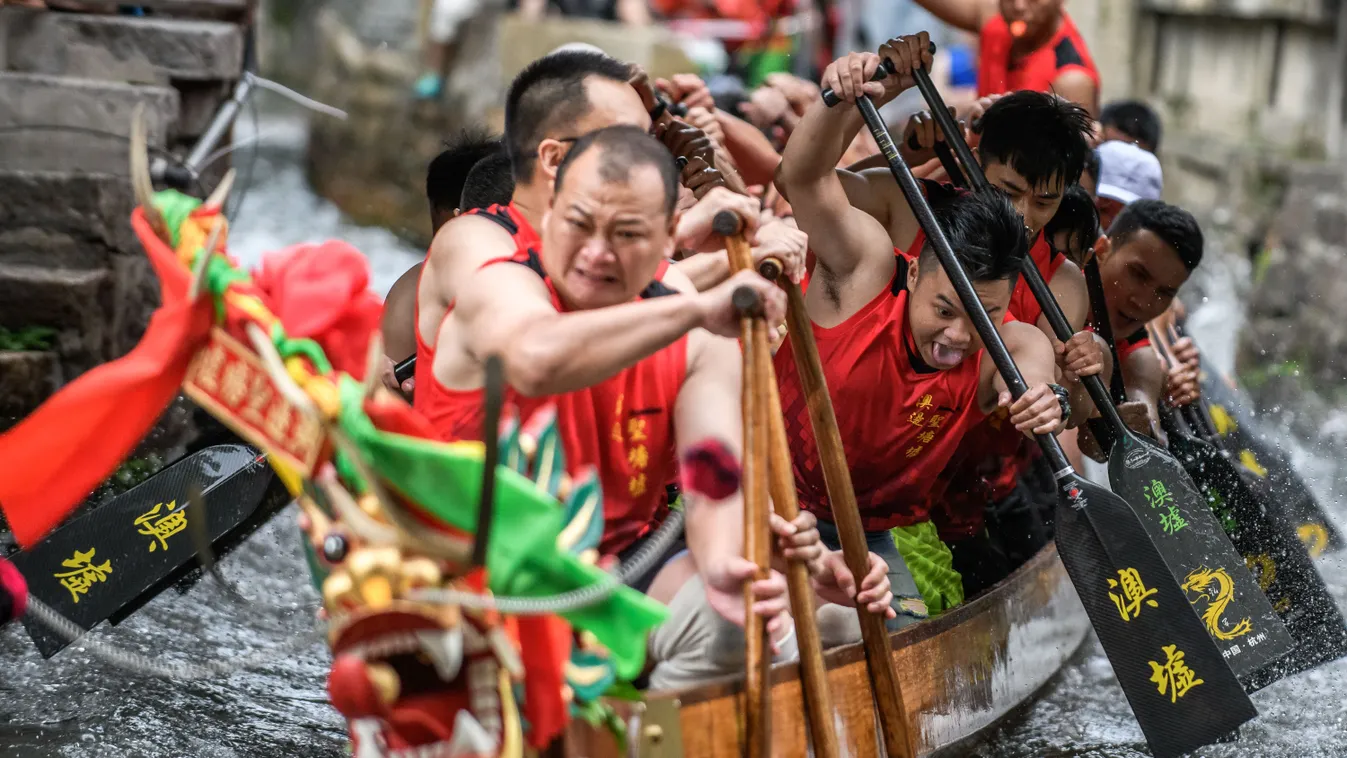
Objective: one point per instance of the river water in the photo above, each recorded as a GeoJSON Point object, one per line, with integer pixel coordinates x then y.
{"type": "Point", "coordinates": [77, 706]}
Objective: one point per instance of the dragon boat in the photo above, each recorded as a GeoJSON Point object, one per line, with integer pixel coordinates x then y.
{"type": "Point", "coordinates": [447, 642]}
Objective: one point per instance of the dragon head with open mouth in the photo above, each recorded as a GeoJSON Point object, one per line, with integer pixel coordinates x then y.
{"type": "Point", "coordinates": [417, 676]}
{"type": "Point", "coordinates": [462, 623]}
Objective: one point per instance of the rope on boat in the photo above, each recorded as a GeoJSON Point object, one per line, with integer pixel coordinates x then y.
{"type": "Point", "coordinates": [139, 663]}
{"type": "Point", "coordinates": [643, 561]}
{"type": "Point", "coordinates": [146, 665]}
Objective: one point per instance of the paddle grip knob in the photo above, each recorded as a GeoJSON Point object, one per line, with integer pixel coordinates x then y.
{"type": "Point", "coordinates": [830, 98]}
{"type": "Point", "coordinates": [770, 269]}
{"type": "Point", "coordinates": [747, 302]}
{"type": "Point", "coordinates": [727, 224]}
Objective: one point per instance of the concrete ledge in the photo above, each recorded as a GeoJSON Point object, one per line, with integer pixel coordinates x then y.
{"type": "Point", "coordinates": [123, 48]}
{"type": "Point", "coordinates": [38, 100]}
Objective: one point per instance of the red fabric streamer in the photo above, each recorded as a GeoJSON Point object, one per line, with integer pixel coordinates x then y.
{"type": "Point", "coordinates": [13, 593]}
{"type": "Point", "coordinates": [56, 456]}
{"type": "Point", "coordinates": [321, 292]}
{"type": "Point", "coordinates": [544, 646]}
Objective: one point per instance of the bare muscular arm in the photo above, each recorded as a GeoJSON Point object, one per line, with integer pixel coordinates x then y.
{"type": "Point", "coordinates": [459, 249]}
{"type": "Point", "coordinates": [1036, 411]}
{"type": "Point", "coordinates": [399, 319]}
{"type": "Point", "coordinates": [1145, 380]}
{"type": "Point", "coordinates": [843, 237]}
{"type": "Point", "coordinates": [505, 309]}
{"type": "Point", "coordinates": [709, 408]}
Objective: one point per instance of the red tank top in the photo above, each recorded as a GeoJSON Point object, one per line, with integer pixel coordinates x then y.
{"type": "Point", "coordinates": [1036, 71]}
{"type": "Point", "coordinates": [900, 420]}
{"type": "Point", "coordinates": [622, 426]}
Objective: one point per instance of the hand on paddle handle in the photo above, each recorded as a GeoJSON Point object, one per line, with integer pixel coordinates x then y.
{"type": "Point", "coordinates": [1080, 356]}
{"type": "Point", "coordinates": [835, 584]}
{"type": "Point", "coordinates": [390, 379]}
{"type": "Point", "coordinates": [724, 582]}
{"type": "Point", "coordinates": [1036, 411]}
{"type": "Point", "coordinates": [695, 228]}
{"type": "Point", "coordinates": [719, 314]}
{"type": "Point", "coordinates": [1185, 352]}
{"type": "Point", "coordinates": [697, 152]}
{"type": "Point", "coordinates": [688, 89]}
{"type": "Point", "coordinates": [706, 121]}
{"type": "Point", "coordinates": [1181, 386]}
{"type": "Point", "coordinates": [798, 540]}
{"type": "Point", "coordinates": [920, 136]}
{"type": "Point", "coordinates": [783, 241]}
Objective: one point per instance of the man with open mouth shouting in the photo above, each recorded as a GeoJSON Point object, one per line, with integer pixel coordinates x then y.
{"type": "Point", "coordinates": [903, 362]}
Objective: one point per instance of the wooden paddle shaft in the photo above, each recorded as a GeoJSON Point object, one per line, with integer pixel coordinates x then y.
{"type": "Point", "coordinates": [888, 691]}
{"type": "Point", "coordinates": [757, 548]}
{"type": "Point", "coordinates": [781, 485]}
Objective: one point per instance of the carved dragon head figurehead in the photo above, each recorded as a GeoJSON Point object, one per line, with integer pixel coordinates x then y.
{"type": "Point", "coordinates": [447, 641]}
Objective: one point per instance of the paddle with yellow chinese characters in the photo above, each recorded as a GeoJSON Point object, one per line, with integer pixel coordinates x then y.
{"type": "Point", "coordinates": [781, 483]}
{"type": "Point", "coordinates": [1262, 460]}
{"type": "Point", "coordinates": [1176, 680]}
{"type": "Point", "coordinates": [117, 556]}
{"type": "Point", "coordinates": [1268, 542]}
{"type": "Point", "coordinates": [1238, 615]}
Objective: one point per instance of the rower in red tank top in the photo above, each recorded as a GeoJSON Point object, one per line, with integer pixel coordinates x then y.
{"type": "Point", "coordinates": [622, 426]}
{"type": "Point", "coordinates": [900, 419]}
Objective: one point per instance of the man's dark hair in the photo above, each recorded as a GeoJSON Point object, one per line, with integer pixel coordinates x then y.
{"type": "Point", "coordinates": [1173, 225]}
{"type": "Point", "coordinates": [986, 234]}
{"type": "Point", "coordinates": [1092, 165]}
{"type": "Point", "coordinates": [1041, 136]}
{"type": "Point", "coordinates": [1076, 216]}
{"type": "Point", "coordinates": [548, 95]}
{"type": "Point", "coordinates": [625, 148]}
{"type": "Point", "coordinates": [489, 183]}
{"type": "Point", "coordinates": [1135, 119]}
{"type": "Point", "coordinates": [449, 171]}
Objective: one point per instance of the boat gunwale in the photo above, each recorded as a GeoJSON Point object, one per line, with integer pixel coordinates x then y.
{"type": "Point", "coordinates": [851, 653]}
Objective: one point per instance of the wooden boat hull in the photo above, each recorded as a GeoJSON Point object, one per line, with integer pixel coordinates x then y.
{"type": "Point", "coordinates": [961, 673]}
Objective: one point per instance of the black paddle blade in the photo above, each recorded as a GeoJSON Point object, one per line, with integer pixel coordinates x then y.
{"type": "Point", "coordinates": [1275, 556]}
{"type": "Point", "coordinates": [90, 568]}
{"type": "Point", "coordinates": [1175, 678]}
{"type": "Point", "coordinates": [1266, 467]}
{"type": "Point", "coordinates": [1236, 613]}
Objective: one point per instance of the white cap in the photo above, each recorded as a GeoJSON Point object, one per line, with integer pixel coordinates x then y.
{"type": "Point", "coordinates": [1128, 173]}
{"type": "Point", "coordinates": [578, 47]}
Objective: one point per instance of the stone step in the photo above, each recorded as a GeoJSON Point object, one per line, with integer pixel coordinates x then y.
{"type": "Point", "coordinates": [69, 218]}
{"type": "Point", "coordinates": [50, 102]}
{"type": "Point", "coordinates": [124, 48]}
{"type": "Point", "coordinates": [26, 379]}
{"type": "Point", "coordinates": [78, 303]}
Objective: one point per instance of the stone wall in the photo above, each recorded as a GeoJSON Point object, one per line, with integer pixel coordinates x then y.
{"type": "Point", "coordinates": [69, 262]}
{"type": "Point", "coordinates": [373, 165]}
